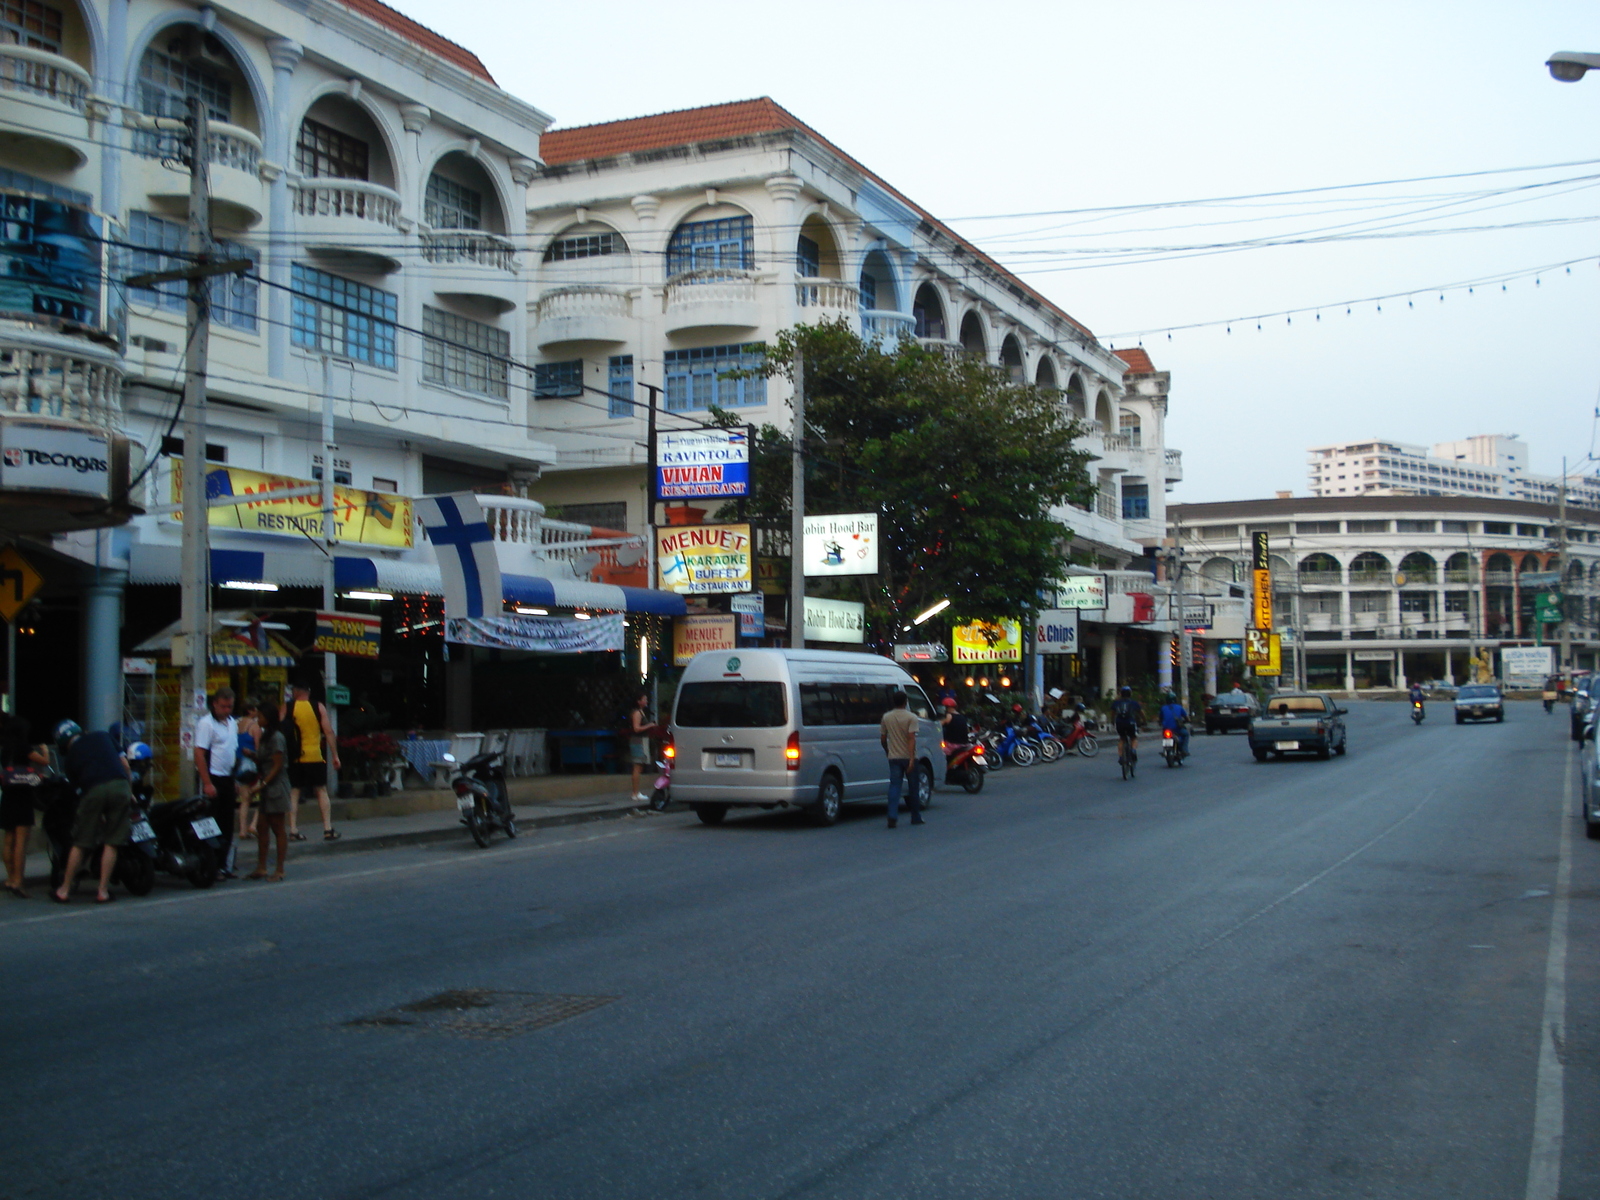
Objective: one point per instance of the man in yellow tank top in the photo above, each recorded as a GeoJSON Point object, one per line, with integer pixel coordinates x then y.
{"type": "Point", "coordinates": [308, 769]}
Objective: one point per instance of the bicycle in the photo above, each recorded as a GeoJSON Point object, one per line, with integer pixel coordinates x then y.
{"type": "Point", "coordinates": [1127, 753]}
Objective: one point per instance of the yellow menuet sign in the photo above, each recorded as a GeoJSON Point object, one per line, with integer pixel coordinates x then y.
{"type": "Point", "coordinates": [371, 518]}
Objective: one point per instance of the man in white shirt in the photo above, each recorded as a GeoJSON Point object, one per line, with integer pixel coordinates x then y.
{"type": "Point", "coordinates": [216, 750]}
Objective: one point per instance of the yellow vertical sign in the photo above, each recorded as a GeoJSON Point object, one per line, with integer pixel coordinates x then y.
{"type": "Point", "coordinates": [1274, 663]}
{"type": "Point", "coordinates": [1261, 582]}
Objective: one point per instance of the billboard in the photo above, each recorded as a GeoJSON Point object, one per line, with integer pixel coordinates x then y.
{"type": "Point", "coordinates": [704, 559]}
{"type": "Point", "coordinates": [846, 545]}
{"type": "Point", "coordinates": [349, 634]}
{"type": "Point", "coordinates": [1081, 591]}
{"type": "Point", "coordinates": [367, 518]}
{"type": "Point", "coordinates": [987, 642]}
{"type": "Point", "coordinates": [1527, 664]}
{"type": "Point", "coordinates": [547, 635]}
{"type": "Point", "coordinates": [702, 631]}
{"type": "Point", "coordinates": [702, 462]}
{"type": "Point", "coordinates": [835, 621]}
{"type": "Point", "coordinates": [54, 458]}
{"type": "Point", "coordinates": [50, 255]}
{"type": "Point", "coordinates": [1056, 632]}
{"type": "Point", "coordinates": [1260, 582]}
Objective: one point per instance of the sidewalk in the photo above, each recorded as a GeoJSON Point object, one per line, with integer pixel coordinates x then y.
{"type": "Point", "coordinates": [418, 815]}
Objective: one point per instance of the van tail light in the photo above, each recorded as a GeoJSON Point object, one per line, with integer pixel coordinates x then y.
{"type": "Point", "coordinates": [791, 752]}
{"type": "Point", "coordinates": [668, 750]}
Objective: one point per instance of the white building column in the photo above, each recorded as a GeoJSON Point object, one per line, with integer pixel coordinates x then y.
{"type": "Point", "coordinates": [1349, 671]}
{"type": "Point", "coordinates": [278, 135]}
{"type": "Point", "coordinates": [1164, 665]}
{"type": "Point", "coordinates": [1108, 660]}
{"type": "Point", "coordinates": [1211, 668]}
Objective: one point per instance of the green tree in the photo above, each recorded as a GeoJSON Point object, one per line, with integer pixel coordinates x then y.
{"type": "Point", "coordinates": [963, 464]}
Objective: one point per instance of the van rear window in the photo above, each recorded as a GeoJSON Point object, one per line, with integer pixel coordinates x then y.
{"type": "Point", "coordinates": [855, 703]}
{"type": "Point", "coordinates": [731, 704]}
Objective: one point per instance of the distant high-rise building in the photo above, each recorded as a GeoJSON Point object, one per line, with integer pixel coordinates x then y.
{"type": "Point", "coordinates": [1486, 465]}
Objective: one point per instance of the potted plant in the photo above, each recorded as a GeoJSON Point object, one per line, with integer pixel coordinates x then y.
{"type": "Point", "coordinates": [367, 757]}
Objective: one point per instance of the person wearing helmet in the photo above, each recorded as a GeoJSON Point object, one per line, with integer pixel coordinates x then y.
{"type": "Point", "coordinates": [1126, 713]}
{"type": "Point", "coordinates": [1176, 718]}
{"type": "Point", "coordinates": [954, 729]}
{"type": "Point", "coordinates": [96, 767]}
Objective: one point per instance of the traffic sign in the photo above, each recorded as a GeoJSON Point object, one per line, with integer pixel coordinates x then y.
{"type": "Point", "coordinates": [19, 583]}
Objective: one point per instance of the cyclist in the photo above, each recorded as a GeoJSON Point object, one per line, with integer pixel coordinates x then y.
{"type": "Point", "coordinates": [1126, 713]}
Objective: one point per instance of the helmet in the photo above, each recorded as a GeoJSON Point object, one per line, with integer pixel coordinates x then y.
{"type": "Point", "coordinates": [65, 732]}
{"type": "Point", "coordinates": [948, 702]}
{"type": "Point", "coordinates": [1127, 691]}
{"type": "Point", "coordinates": [140, 752]}
{"type": "Point", "coordinates": [1016, 708]}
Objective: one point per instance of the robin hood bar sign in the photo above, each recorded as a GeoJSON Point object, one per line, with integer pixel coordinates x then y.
{"type": "Point", "coordinates": [702, 462]}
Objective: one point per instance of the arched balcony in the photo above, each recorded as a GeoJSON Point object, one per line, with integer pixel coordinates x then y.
{"type": "Point", "coordinates": [927, 318]}
{"type": "Point", "coordinates": [346, 205]}
{"type": "Point", "coordinates": [881, 319]}
{"type": "Point", "coordinates": [1321, 569]}
{"type": "Point", "coordinates": [49, 124]}
{"type": "Point", "coordinates": [1497, 570]}
{"type": "Point", "coordinates": [463, 232]}
{"type": "Point", "coordinates": [187, 63]}
{"type": "Point", "coordinates": [585, 271]}
{"type": "Point", "coordinates": [711, 282]}
{"type": "Point", "coordinates": [1458, 568]}
{"type": "Point", "coordinates": [1418, 567]}
{"type": "Point", "coordinates": [1011, 359]}
{"type": "Point", "coordinates": [1077, 400]}
{"type": "Point", "coordinates": [1369, 568]}
{"type": "Point", "coordinates": [819, 282]}
{"type": "Point", "coordinates": [972, 338]}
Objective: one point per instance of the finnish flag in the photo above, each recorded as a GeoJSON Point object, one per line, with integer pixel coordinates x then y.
{"type": "Point", "coordinates": [465, 549]}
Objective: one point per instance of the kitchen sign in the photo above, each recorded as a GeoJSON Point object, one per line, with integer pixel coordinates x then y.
{"type": "Point", "coordinates": [1261, 582]}
{"type": "Point", "coordinates": [704, 559]}
{"type": "Point", "coordinates": [987, 642]}
{"type": "Point", "coordinates": [846, 545]}
{"type": "Point", "coordinates": [702, 462]}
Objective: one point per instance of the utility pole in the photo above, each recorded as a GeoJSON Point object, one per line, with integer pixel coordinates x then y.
{"type": "Point", "coordinates": [650, 526]}
{"type": "Point", "coordinates": [195, 600]}
{"type": "Point", "coordinates": [1565, 659]}
{"type": "Point", "coordinates": [192, 647]}
{"type": "Point", "coordinates": [797, 521]}
{"type": "Point", "coordinates": [1185, 639]}
{"type": "Point", "coordinates": [330, 661]}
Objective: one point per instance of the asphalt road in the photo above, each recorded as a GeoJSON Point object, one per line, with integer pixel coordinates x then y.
{"type": "Point", "coordinates": [1294, 979]}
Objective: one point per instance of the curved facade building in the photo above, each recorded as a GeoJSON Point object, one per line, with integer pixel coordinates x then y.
{"type": "Point", "coordinates": [1381, 591]}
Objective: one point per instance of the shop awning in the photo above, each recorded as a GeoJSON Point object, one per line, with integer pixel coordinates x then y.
{"type": "Point", "coordinates": [234, 643]}
{"type": "Point", "coordinates": [304, 568]}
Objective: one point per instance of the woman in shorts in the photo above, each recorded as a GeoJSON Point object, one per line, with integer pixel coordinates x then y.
{"type": "Point", "coordinates": [273, 793]}
{"type": "Point", "coordinates": [246, 773]}
{"type": "Point", "coordinates": [19, 789]}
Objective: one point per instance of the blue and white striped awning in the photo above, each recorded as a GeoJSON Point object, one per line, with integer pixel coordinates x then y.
{"type": "Point", "coordinates": [303, 568]}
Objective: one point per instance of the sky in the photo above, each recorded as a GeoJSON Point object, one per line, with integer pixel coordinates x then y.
{"type": "Point", "coordinates": [982, 111]}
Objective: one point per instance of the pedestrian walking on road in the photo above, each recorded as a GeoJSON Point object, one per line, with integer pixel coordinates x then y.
{"type": "Point", "coordinates": [273, 790]}
{"type": "Point", "coordinates": [216, 753]}
{"type": "Point", "coordinates": [897, 732]}
{"type": "Point", "coordinates": [312, 746]}
{"type": "Point", "coordinates": [96, 767]}
{"type": "Point", "coordinates": [19, 794]}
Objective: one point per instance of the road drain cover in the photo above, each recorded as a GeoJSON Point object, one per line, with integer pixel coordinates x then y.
{"type": "Point", "coordinates": [481, 1013]}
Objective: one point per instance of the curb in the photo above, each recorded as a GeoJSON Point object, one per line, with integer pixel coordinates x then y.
{"type": "Point", "coordinates": [445, 833]}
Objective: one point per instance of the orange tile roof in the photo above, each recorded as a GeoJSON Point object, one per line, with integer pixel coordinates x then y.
{"type": "Point", "coordinates": [738, 118]}
{"type": "Point", "coordinates": [421, 35]}
{"type": "Point", "coordinates": [1138, 361]}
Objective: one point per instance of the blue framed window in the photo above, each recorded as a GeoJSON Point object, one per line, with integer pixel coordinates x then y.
{"type": "Point", "coordinates": [161, 245]}
{"type": "Point", "coordinates": [869, 291]}
{"type": "Point", "coordinates": [464, 354]}
{"type": "Point", "coordinates": [339, 316]}
{"type": "Point", "coordinates": [1135, 501]}
{"type": "Point", "coordinates": [620, 385]}
{"type": "Point", "coordinates": [695, 378]}
{"type": "Point", "coordinates": [807, 258]}
{"type": "Point", "coordinates": [451, 205]}
{"type": "Point", "coordinates": [704, 245]}
{"type": "Point", "coordinates": [552, 381]}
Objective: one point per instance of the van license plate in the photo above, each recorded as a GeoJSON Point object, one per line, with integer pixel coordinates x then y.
{"type": "Point", "coordinates": [1286, 745]}
{"type": "Point", "coordinates": [727, 760]}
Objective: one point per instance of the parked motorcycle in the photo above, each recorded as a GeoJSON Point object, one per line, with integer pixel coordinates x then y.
{"type": "Point", "coordinates": [965, 763]}
{"type": "Point", "coordinates": [1079, 737]}
{"type": "Point", "coordinates": [178, 837]}
{"type": "Point", "coordinates": [1005, 743]}
{"type": "Point", "coordinates": [661, 795]}
{"type": "Point", "coordinates": [480, 788]}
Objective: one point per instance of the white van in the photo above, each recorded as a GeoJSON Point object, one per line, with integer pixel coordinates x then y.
{"type": "Point", "coordinates": [791, 728]}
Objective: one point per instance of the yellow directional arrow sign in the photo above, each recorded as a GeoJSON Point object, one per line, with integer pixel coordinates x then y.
{"type": "Point", "coordinates": [19, 583]}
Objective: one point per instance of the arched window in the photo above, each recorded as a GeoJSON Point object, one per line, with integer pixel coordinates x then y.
{"type": "Point", "coordinates": [1131, 427]}
{"type": "Point", "coordinates": [1222, 570]}
{"type": "Point", "coordinates": [1320, 568]}
{"type": "Point", "coordinates": [1369, 567]}
{"type": "Point", "coordinates": [1418, 567]}
{"type": "Point", "coordinates": [1077, 402]}
{"type": "Point", "coordinates": [1011, 358]}
{"type": "Point", "coordinates": [460, 195]}
{"type": "Point", "coordinates": [1102, 411]}
{"type": "Point", "coordinates": [816, 255]}
{"type": "Point", "coordinates": [877, 284]}
{"type": "Point", "coordinates": [1044, 374]}
{"type": "Point", "coordinates": [927, 314]}
{"type": "Point", "coordinates": [585, 241]}
{"type": "Point", "coordinates": [972, 340]}
{"type": "Point", "coordinates": [1458, 567]}
{"type": "Point", "coordinates": [721, 243]}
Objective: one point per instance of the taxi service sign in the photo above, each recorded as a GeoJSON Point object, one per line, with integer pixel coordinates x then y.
{"type": "Point", "coordinates": [349, 634]}
{"type": "Point", "coordinates": [704, 559]}
{"type": "Point", "coordinates": [987, 642]}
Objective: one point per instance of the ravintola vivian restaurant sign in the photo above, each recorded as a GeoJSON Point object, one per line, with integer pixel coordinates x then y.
{"type": "Point", "coordinates": [702, 462]}
{"type": "Point", "coordinates": [702, 559]}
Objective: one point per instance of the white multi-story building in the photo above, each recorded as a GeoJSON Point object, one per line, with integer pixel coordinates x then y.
{"type": "Point", "coordinates": [376, 175]}
{"type": "Point", "coordinates": [1485, 465]}
{"type": "Point", "coordinates": [669, 247]}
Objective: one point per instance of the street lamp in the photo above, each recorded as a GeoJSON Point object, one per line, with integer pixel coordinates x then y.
{"type": "Point", "coordinates": [1569, 66]}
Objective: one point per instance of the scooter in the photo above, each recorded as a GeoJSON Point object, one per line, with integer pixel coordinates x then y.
{"type": "Point", "coordinates": [1170, 749]}
{"type": "Point", "coordinates": [965, 763]}
{"type": "Point", "coordinates": [1079, 738]}
{"type": "Point", "coordinates": [480, 788]}
{"type": "Point", "coordinates": [178, 837]}
{"type": "Point", "coordinates": [1416, 711]}
{"type": "Point", "coordinates": [1006, 743]}
{"type": "Point", "coordinates": [1044, 740]}
{"type": "Point", "coordinates": [661, 796]}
